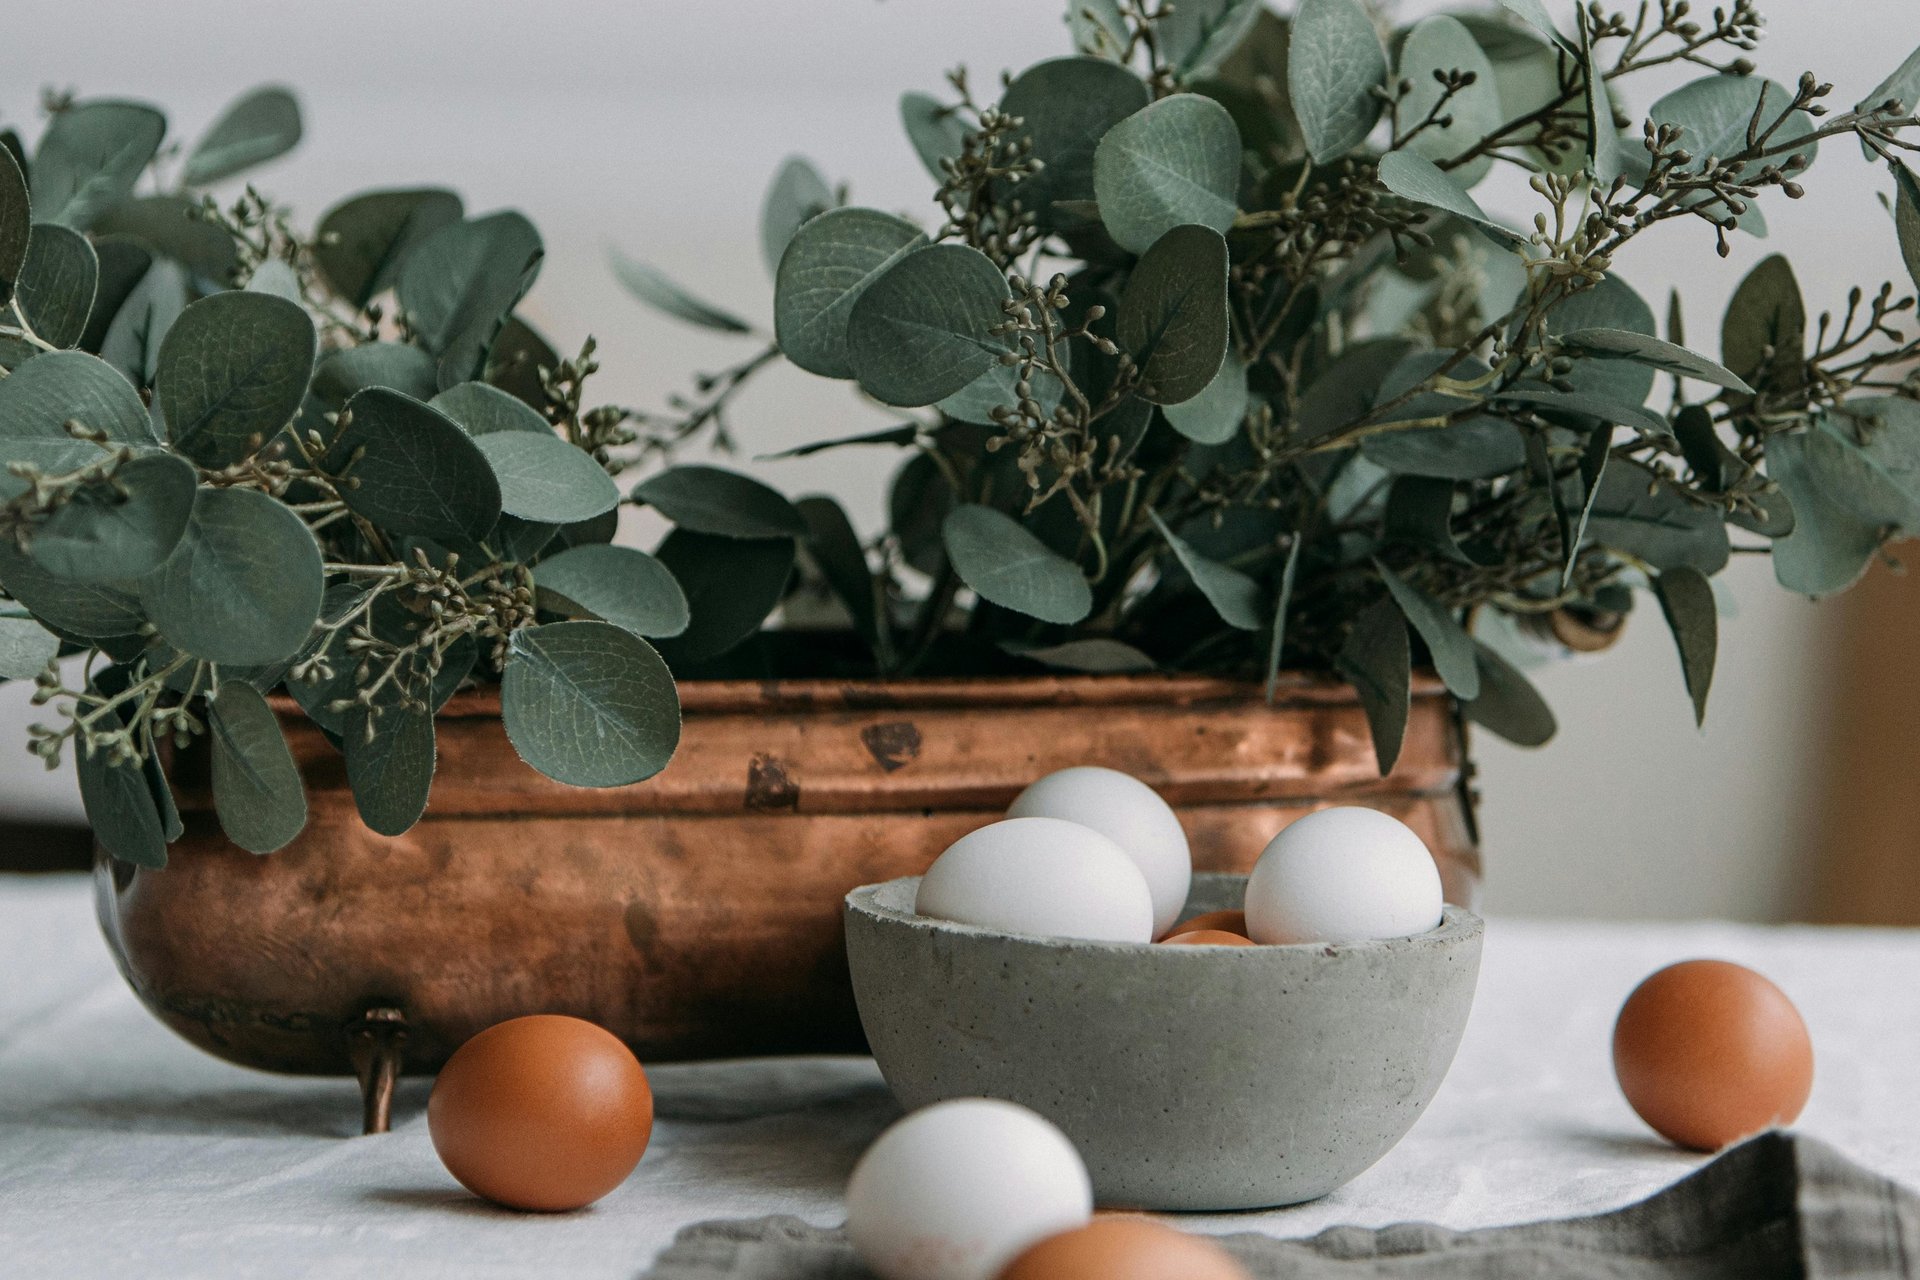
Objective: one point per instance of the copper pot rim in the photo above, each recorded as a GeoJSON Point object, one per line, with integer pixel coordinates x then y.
{"type": "Point", "coordinates": [735, 697]}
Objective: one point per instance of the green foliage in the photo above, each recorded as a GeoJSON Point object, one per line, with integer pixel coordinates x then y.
{"type": "Point", "coordinates": [1175, 162]}
{"type": "Point", "coordinates": [1334, 66]}
{"type": "Point", "coordinates": [1012, 568]}
{"type": "Point", "coordinates": [234, 367]}
{"type": "Point", "coordinates": [589, 703]}
{"type": "Point", "coordinates": [257, 128]}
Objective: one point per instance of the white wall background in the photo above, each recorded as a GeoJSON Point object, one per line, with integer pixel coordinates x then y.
{"type": "Point", "coordinates": [656, 125]}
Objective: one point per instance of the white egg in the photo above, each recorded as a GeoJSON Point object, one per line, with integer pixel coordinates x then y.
{"type": "Point", "coordinates": [1340, 875]}
{"type": "Point", "coordinates": [1131, 814]}
{"type": "Point", "coordinates": [1040, 875]}
{"type": "Point", "coordinates": [957, 1190]}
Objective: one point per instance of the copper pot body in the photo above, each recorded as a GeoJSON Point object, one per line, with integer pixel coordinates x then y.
{"type": "Point", "coordinates": [698, 914]}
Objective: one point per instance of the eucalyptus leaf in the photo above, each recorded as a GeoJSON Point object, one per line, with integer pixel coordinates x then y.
{"type": "Point", "coordinates": [123, 529]}
{"type": "Point", "coordinates": [1686, 598]}
{"type": "Point", "coordinates": [1587, 407]}
{"type": "Point", "coordinates": [89, 158]}
{"type": "Point", "coordinates": [260, 126]}
{"type": "Point", "coordinates": [1234, 596]}
{"type": "Point", "coordinates": [835, 550]}
{"type": "Point", "coordinates": [544, 478]}
{"type": "Point", "coordinates": [123, 264]}
{"type": "Point", "coordinates": [1348, 387]}
{"type": "Point", "coordinates": [1173, 314]}
{"type": "Point", "coordinates": [1197, 36]}
{"type": "Point", "coordinates": [1174, 163]}
{"type": "Point", "coordinates": [1435, 47]}
{"type": "Point", "coordinates": [172, 226]}
{"type": "Point", "coordinates": [904, 434]}
{"type": "Point", "coordinates": [997, 388]}
{"type": "Point", "coordinates": [1283, 600]}
{"type": "Point", "coordinates": [1218, 412]}
{"type": "Point", "coordinates": [234, 369]}
{"type": "Point", "coordinates": [1099, 28]}
{"type": "Point", "coordinates": [1831, 545]}
{"type": "Point", "coordinates": [1610, 304]}
{"type": "Point", "coordinates": [1763, 338]}
{"type": "Point", "coordinates": [1419, 513]}
{"type": "Point", "coordinates": [16, 223]}
{"type": "Point", "coordinates": [713, 500]}
{"type": "Point", "coordinates": [1906, 218]}
{"type": "Point", "coordinates": [39, 398]}
{"type": "Point", "coordinates": [1334, 67]}
{"type": "Point", "coordinates": [1654, 353]}
{"type": "Point", "coordinates": [56, 286]}
{"type": "Point", "coordinates": [1447, 641]}
{"type": "Point", "coordinates": [1508, 704]}
{"type": "Point", "coordinates": [257, 791]}
{"type": "Point", "coordinates": [1714, 112]}
{"type": "Point", "coordinates": [936, 130]}
{"type": "Point", "coordinates": [1096, 655]}
{"type": "Point", "coordinates": [652, 287]}
{"type": "Point", "coordinates": [589, 704]}
{"type": "Point", "coordinates": [126, 822]}
{"type": "Point", "coordinates": [390, 761]}
{"type": "Point", "coordinates": [829, 263]}
{"type": "Point", "coordinates": [798, 193]}
{"type": "Point", "coordinates": [515, 362]}
{"type": "Point", "coordinates": [399, 366]}
{"type": "Point", "coordinates": [361, 242]}
{"type": "Point", "coordinates": [483, 410]}
{"type": "Point", "coordinates": [621, 585]}
{"type": "Point", "coordinates": [1641, 515]}
{"type": "Point", "coordinates": [132, 342]}
{"type": "Point", "coordinates": [1067, 105]}
{"type": "Point", "coordinates": [1534, 14]}
{"type": "Point", "coordinates": [1474, 447]}
{"type": "Point", "coordinates": [459, 283]}
{"type": "Point", "coordinates": [242, 586]}
{"type": "Point", "coordinates": [412, 469]}
{"type": "Point", "coordinates": [1901, 86]}
{"type": "Point", "coordinates": [1378, 659]}
{"type": "Point", "coordinates": [1007, 565]}
{"type": "Point", "coordinates": [731, 585]}
{"type": "Point", "coordinates": [924, 329]}
{"type": "Point", "coordinates": [26, 647]}
{"type": "Point", "coordinates": [171, 828]}
{"type": "Point", "coordinates": [1866, 455]}
{"type": "Point", "coordinates": [93, 612]}
{"type": "Point", "coordinates": [277, 277]}
{"type": "Point", "coordinates": [1418, 179]}
{"type": "Point", "coordinates": [1604, 159]}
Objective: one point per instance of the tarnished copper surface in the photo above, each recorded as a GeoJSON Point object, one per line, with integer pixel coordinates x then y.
{"type": "Point", "coordinates": [698, 914]}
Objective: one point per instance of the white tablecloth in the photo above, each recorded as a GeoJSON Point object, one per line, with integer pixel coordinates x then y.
{"type": "Point", "coordinates": [124, 1152]}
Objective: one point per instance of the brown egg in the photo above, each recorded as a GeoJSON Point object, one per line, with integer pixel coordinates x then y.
{"type": "Point", "coordinates": [1125, 1248]}
{"type": "Point", "coordinates": [1206, 938]}
{"type": "Point", "coordinates": [1710, 1052]}
{"type": "Point", "coordinates": [1224, 921]}
{"type": "Point", "coordinates": [545, 1113]}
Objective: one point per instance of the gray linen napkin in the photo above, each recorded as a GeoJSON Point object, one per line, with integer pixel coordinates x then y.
{"type": "Point", "coordinates": [1779, 1207]}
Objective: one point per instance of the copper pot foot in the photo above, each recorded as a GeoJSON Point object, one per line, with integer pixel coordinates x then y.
{"type": "Point", "coordinates": [377, 1044]}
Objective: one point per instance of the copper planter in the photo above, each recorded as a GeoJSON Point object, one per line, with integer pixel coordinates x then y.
{"type": "Point", "coordinates": [698, 914]}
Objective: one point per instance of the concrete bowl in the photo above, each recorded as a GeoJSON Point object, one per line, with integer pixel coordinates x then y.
{"type": "Point", "coordinates": [1190, 1077]}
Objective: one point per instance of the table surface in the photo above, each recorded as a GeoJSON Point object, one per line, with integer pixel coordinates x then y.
{"type": "Point", "coordinates": [126, 1152]}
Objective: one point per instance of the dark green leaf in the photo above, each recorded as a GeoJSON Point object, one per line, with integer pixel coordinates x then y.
{"type": "Point", "coordinates": [1216, 414]}
{"type": "Point", "coordinates": [123, 264]}
{"type": "Point", "coordinates": [244, 583]}
{"type": "Point", "coordinates": [1686, 597]}
{"type": "Point", "coordinates": [544, 478]}
{"type": "Point", "coordinates": [1234, 596]}
{"type": "Point", "coordinates": [1067, 106]}
{"type": "Point", "coordinates": [170, 825]}
{"type": "Point", "coordinates": [936, 131]}
{"type": "Point", "coordinates": [1419, 513]}
{"type": "Point", "coordinates": [40, 397]}
{"type": "Point", "coordinates": [798, 194]}
{"type": "Point", "coordinates": [123, 530]}
{"type": "Point", "coordinates": [1906, 218]}
{"type": "Point", "coordinates": [1610, 304]}
{"type": "Point", "coordinates": [656, 290]}
{"type": "Point", "coordinates": [16, 224]}
{"type": "Point", "coordinates": [1593, 468]}
{"type": "Point", "coordinates": [1283, 600]}
{"type": "Point", "coordinates": [620, 585]}
{"type": "Point", "coordinates": [1586, 408]}
{"type": "Point", "coordinates": [57, 284]}
{"type": "Point", "coordinates": [1097, 655]}
{"type": "Point", "coordinates": [1418, 179]}
{"type": "Point", "coordinates": [1447, 641]}
{"type": "Point", "coordinates": [924, 330]}
{"type": "Point", "coordinates": [1714, 112]}
{"type": "Point", "coordinates": [1434, 47]}
{"type": "Point", "coordinates": [26, 647]}
{"type": "Point", "coordinates": [731, 585]}
{"type": "Point", "coordinates": [256, 785]}
{"type": "Point", "coordinates": [1508, 704]}
{"type": "Point", "coordinates": [75, 608]}
{"type": "Point", "coordinates": [830, 262]}
{"type": "Point", "coordinates": [836, 552]}
{"type": "Point", "coordinates": [120, 807]}
{"type": "Point", "coordinates": [1475, 447]}
{"type": "Point", "coordinates": [714, 500]}
{"type": "Point", "coordinates": [458, 284]}
{"type": "Point", "coordinates": [1196, 37]}
{"type": "Point", "coordinates": [1176, 162]}
{"type": "Point", "coordinates": [390, 760]}
{"type": "Point", "coordinates": [905, 434]}
{"type": "Point", "coordinates": [233, 370]}
{"type": "Point", "coordinates": [1378, 659]}
{"type": "Point", "coordinates": [917, 502]}
{"type": "Point", "coordinates": [415, 470]}
{"type": "Point", "coordinates": [1349, 386]}
{"type": "Point", "coordinates": [170, 225]}
{"type": "Point", "coordinates": [1173, 314]}
{"type": "Point", "coordinates": [1763, 338]}
{"type": "Point", "coordinates": [515, 360]}
{"type": "Point", "coordinates": [589, 704]}
{"type": "Point", "coordinates": [90, 157]}
{"type": "Point", "coordinates": [261, 125]}
{"type": "Point", "coordinates": [1831, 545]}
{"type": "Point", "coordinates": [1334, 66]}
{"type": "Point", "coordinates": [396, 365]}
{"type": "Point", "coordinates": [484, 409]}
{"type": "Point", "coordinates": [1642, 516]}
{"type": "Point", "coordinates": [1653, 353]}
{"type": "Point", "coordinates": [132, 342]}
{"type": "Point", "coordinates": [1604, 157]}
{"type": "Point", "coordinates": [1007, 565]}
{"type": "Point", "coordinates": [361, 243]}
